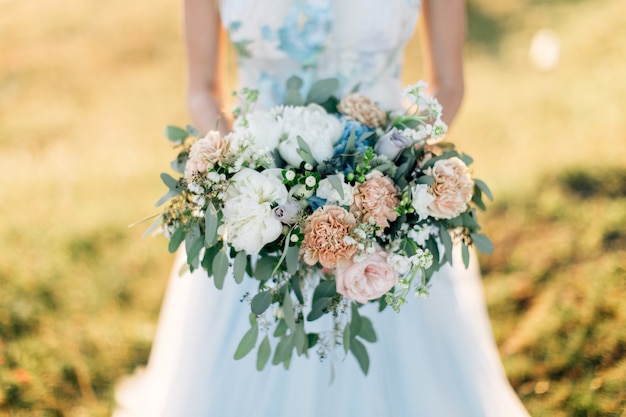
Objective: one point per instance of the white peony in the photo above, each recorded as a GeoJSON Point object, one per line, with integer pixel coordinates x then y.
{"type": "Point", "coordinates": [330, 194]}
{"type": "Point", "coordinates": [264, 127]}
{"type": "Point", "coordinates": [315, 126]}
{"type": "Point", "coordinates": [421, 199]}
{"type": "Point", "coordinates": [247, 211]}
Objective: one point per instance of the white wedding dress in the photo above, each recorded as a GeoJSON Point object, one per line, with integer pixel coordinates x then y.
{"type": "Point", "coordinates": [437, 358]}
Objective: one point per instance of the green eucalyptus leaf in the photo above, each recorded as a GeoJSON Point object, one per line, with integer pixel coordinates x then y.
{"type": "Point", "coordinates": [466, 158]}
{"type": "Point", "coordinates": [322, 90]}
{"type": "Point", "coordinates": [264, 268]}
{"type": "Point", "coordinates": [192, 131]}
{"type": "Point", "coordinates": [292, 260]}
{"type": "Point", "coordinates": [284, 349]}
{"type": "Point", "coordinates": [300, 339]}
{"type": "Point", "coordinates": [289, 312]}
{"type": "Point", "coordinates": [484, 188]}
{"type": "Point", "coordinates": [346, 339]}
{"type": "Point", "coordinates": [351, 144]}
{"type": "Point", "coordinates": [293, 98]}
{"type": "Point", "coordinates": [296, 287]}
{"type": "Point", "coordinates": [261, 302]}
{"type": "Point", "coordinates": [482, 243]}
{"type": "Point", "coordinates": [281, 328]}
{"type": "Point", "coordinates": [177, 238]}
{"type": "Point", "coordinates": [312, 339]}
{"type": "Point", "coordinates": [171, 183]}
{"type": "Point", "coordinates": [319, 308]}
{"type": "Point", "coordinates": [167, 196]}
{"type": "Point", "coordinates": [263, 354]}
{"type": "Point", "coordinates": [337, 183]}
{"type": "Point", "coordinates": [325, 289]}
{"type": "Point", "coordinates": [156, 223]}
{"type": "Point", "coordinates": [220, 268]}
{"type": "Point", "coordinates": [425, 179]}
{"type": "Point", "coordinates": [175, 134]}
{"type": "Point", "coordinates": [466, 254]}
{"type": "Point", "coordinates": [211, 223]}
{"type": "Point", "coordinates": [239, 268]}
{"type": "Point", "coordinates": [247, 342]}
{"type": "Point", "coordinates": [360, 353]}
{"type": "Point", "coordinates": [367, 330]}
{"type": "Point", "coordinates": [294, 83]}
{"type": "Point", "coordinates": [447, 243]}
{"type": "Point", "coordinates": [355, 320]}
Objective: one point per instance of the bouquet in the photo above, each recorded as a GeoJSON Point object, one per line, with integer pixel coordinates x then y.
{"type": "Point", "coordinates": [327, 204]}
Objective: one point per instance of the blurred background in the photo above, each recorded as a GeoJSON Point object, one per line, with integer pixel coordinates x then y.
{"type": "Point", "coordinates": [87, 86]}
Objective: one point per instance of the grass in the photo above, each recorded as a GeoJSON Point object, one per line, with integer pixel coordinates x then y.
{"type": "Point", "coordinates": [85, 89]}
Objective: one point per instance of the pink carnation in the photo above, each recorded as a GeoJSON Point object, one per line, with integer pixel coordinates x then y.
{"type": "Point", "coordinates": [452, 189]}
{"type": "Point", "coordinates": [324, 237]}
{"type": "Point", "coordinates": [376, 198]}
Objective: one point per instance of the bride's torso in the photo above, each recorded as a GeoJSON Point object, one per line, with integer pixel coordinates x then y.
{"type": "Point", "coordinates": [360, 42]}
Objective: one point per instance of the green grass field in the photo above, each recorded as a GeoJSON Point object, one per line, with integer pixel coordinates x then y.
{"type": "Point", "coordinates": [86, 88]}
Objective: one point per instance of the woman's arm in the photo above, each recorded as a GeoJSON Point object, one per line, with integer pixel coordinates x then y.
{"type": "Point", "coordinates": [443, 34]}
{"type": "Point", "coordinates": [204, 56]}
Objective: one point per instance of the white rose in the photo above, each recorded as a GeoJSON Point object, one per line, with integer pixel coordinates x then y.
{"type": "Point", "coordinates": [315, 126]}
{"type": "Point", "coordinates": [400, 264]}
{"type": "Point", "coordinates": [421, 199]}
{"type": "Point", "coordinates": [330, 194]}
{"type": "Point", "coordinates": [248, 209]}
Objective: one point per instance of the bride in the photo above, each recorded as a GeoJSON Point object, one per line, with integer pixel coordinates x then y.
{"type": "Point", "coordinates": [435, 359]}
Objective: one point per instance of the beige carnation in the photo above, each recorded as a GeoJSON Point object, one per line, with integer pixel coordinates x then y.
{"type": "Point", "coordinates": [363, 110]}
{"type": "Point", "coordinates": [324, 236]}
{"type": "Point", "coordinates": [377, 198]}
{"type": "Point", "coordinates": [205, 153]}
{"type": "Point", "coordinates": [452, 189]}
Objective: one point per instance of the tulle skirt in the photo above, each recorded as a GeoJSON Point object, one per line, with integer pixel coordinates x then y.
{"type": "Point", "coordinates": [437, 358]}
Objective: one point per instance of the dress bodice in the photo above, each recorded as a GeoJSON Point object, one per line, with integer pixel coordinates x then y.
{"type": "Point", "coordinates": [359, 42]}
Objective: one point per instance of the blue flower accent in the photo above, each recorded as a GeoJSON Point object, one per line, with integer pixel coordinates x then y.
{"type": "Point", "coordinates": [359, 130]}
{"type": "Point", "coordinates": [234, 25]}
{"type": "Point", "coordinates": [316, 202]}
{"type": "Point", "coordinates": [305, 30]}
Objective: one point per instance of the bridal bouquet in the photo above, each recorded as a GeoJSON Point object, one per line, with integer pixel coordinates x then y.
{"type": "Point", "coordinates": [327, 204]}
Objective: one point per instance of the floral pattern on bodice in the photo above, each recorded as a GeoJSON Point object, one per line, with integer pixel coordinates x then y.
{"type": "Point", "coordinates": [360, 42]}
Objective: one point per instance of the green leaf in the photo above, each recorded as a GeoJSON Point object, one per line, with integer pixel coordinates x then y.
{"type": "Point", "coordinates": [447, 243]}
{"type": "Point", "coordinates": [264, 268]}
{"type": "Point", "coordinates": [220, 268]}
{"type": "Point", "coordinates": [193, 244]}
{"type": "Point", "coordinates": [207, 259]}
{"type": "Point", "coordinates": [156, 223]}
{"type": "Point", "coordinates": [261, 302]}
{"type": "Point", "coordinates": [292, 259]}
{"type": "Point", "coordinates": [293, 98]}
{"type": "Point", "coordinates": [346, 339]}
{"type": "Point", "coordinates": [296, 287]}
{"type": "Point", "coordinates": [283, 349]}
{"type": "Point", "coordinates": [300, 339]}
{"type": "Point", "coordinates": [360, 353]}
{"type": "Point", "coordinates": [484, 188]}
{"type": "Point", "coordinates": [263, 354]}
{"type": "Point", "coordinates": [303, 145]}
{"type": "Point", "coordinates": [211, 223]}
{"type": "Point", "coordinates": [294, 83]}
{"type": "Point", "coordinates": [239, 268]}
{"type": "Point", "coordinates": [176, 239]}
{"type": "Point", "coordinates": [312, 339]}
{"type": "Point", "coordinates": [175, 134]}
{"type": "Point", "coordinates": [325, 289]}
{"type": "Point", "coordinates": [482, 243]}
{"type": "Point", "coordinates": [355, 320]}
{"type": "Point", "coordinates": [367, 330]}
{"type": "Point", "coordinates": [335, 181]}
{"type": "Point", "coordinates": [171, 183]}
{"type": "Point", "coordinates": [425, 179]}
{"type": "Point", "coordinates": [247, 342]}
{"type": "Point", "coordinates": [193, 131]}
{"type": "Point", "coordinates": [318, 308]}
{"type": "Point", "coordinates": [351, 144]}
{"type": "Point", "coordinates": [167, 196]}
{"type": "Point", "coordinates": [466, 254]}
{"type": "Point", "coordinates": [322, 90]}
{"type": "Point", "coordinates": [289, 312]}
{"type": "Point", "coordinates": [466, 158]}
{"type": "Point", "coordinates": [281, 328]}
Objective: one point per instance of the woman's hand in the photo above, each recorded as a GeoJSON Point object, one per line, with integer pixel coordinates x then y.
{"type": "Point", "coordinates": [443, 34]}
